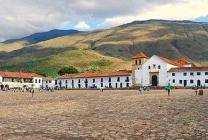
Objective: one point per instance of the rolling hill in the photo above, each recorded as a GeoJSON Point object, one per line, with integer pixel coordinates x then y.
{"type": "Point", "coordinates": [15, 44]}
{"type": "Point", "coordinates": [107, 49]}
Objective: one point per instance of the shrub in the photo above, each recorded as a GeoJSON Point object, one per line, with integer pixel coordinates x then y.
{"type": "Point", "coordinates": [67, 70]}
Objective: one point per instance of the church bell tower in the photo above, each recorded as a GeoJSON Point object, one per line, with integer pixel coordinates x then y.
{"type": "Point", "coordinates": [137, 61]}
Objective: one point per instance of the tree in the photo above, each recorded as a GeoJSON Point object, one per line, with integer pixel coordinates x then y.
{"type": "Point", "coordinates": [67, 70]}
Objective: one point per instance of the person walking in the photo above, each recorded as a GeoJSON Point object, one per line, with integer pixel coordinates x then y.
{"type": "Point", "coordinates": [168, 88]}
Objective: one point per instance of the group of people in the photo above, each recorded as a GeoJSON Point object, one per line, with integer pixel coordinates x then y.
{"type": "Point", "coordinates": [198, 90]}
{"type": "Point", "coordinates": [17, 89]}
{"type": "Point", "coordinates": [47, 88]}
{"type": "Point", "coordinates": [169, 88]}
{"type": "Point", "coordinates": [141, 89]}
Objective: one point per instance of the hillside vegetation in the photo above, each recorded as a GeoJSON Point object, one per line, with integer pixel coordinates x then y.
{"type": "Point", "coordinates": [108, 49]}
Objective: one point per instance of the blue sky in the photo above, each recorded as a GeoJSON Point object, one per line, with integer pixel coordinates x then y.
{"type": "Point", "coordinates": [19, 18]}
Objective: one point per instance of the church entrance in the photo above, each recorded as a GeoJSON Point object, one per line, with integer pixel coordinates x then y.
{"type": "Point", "coordinates": [185, 83]}
{"type": "Point", "coordinates": [198, 83]}
{"type": "Point", "coordinates": [154, 80]}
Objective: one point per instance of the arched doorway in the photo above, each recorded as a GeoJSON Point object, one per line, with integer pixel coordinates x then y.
{"type": "Point", "coordinates": [154, 80]}
{"type": "Point", "coordinates": [2, 87]}
{"type": "Point", "coordinates": [198, 83]}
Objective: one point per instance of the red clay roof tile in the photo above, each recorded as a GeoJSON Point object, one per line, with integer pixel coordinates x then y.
{"type": "Point", "coordinates": [172, 62]}
{"type": "Point", "coordinates": [181, 69]}
{"type": "Point", "coordinates": [8, 74]}
{"type": "Point", "coordinates": [140, 55]}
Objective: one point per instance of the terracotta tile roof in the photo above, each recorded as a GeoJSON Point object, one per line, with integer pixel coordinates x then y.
{"type": "Point", "coordinates": [181, 69]}
{"type": "Point", "coordinates": [98, 74]}
{"type": "Point", "coordinates": [140, 55]}
{"type": "Point", "coordinates": [183, 60]}
{"type": "Point", "coordinates": [179, 62]}
{"type": "Point", "coordinates": [47, 78]}
{"type": "Point", "coordinates": [172, 62]}
{"type": "Point", "coordinates": [8, 74]}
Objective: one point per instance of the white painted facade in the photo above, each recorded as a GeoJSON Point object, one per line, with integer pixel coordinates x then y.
{"type": "Point", "coordinates": [189, 78]}
{"type": "Point", "coordinates": [154, 66]}
{"type": "Point", "coordinates": [48, 83]}
{"type": "Point", "coordinates": [96, 82]}
{"type": "Point", "coordinates": [161, 68]}
{"type": "Point", "coordinates": [35, 82]}
{"type": "Point", "coordinates": [154, 71]}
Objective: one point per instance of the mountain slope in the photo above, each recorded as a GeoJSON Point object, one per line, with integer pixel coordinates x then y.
{"type": "Point", "coordinates": [38, 37]}
{"type": "Point", "coordinates": [15, 44]}
{"type": "Point", "coordinates": [166, 38]}
{"type": "Point", "coordinates": [111, 48]}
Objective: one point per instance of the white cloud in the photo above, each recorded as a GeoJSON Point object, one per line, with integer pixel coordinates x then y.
{"type": "Point", "coordinates": [188, 10]}
{"type": "Point", "coordinates": [184, 10]}
{"type": "Point", "coordinates": [22, 17]}
{"type": "Point", "coordinates": [82, 25]}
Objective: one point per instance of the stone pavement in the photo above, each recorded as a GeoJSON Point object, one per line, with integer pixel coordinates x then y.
{"type": "Point", "coordinates": [108, 115]}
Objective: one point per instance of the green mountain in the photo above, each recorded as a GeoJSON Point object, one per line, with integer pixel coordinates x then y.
{"type": "Point", "coordinates": [108, 49]}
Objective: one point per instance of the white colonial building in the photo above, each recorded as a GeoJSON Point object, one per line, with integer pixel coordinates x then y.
{"type": "Point", "coordinates": [155, 71]}
{"type": "Point", "coordinates": [188, 76]}
{"type": "Point", "coordinates": [113, 79]}
{"type": "Point", "coordinates": [160, 71]}
{"type": "Point", "coordinates": [20, 79]}
{"type": "Point", "coordinates": [48, 83]}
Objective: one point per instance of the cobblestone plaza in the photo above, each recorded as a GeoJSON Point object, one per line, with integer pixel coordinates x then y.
{"type": "Point", "coordinates": [112, 114]}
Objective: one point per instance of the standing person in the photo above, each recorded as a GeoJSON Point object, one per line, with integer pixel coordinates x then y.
{"type": "Point", "coordinates": [196, 90]}
{"type": "Point", "coordinates": [101, 89]}
{"type": "Point", "coordinates": [201, 92]}
{"type": "Point", "coordinates": [168, 88]}
{"type": "Point", "coordinates": [140, 90]}
{"type": "Point", "coordinates": [32, 90]}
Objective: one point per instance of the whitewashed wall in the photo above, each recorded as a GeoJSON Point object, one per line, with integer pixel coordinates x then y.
{"type": "Point", "coordinates": [48, 83]}
{"type": "Point", "coordinates": [37, 82]}
{"type": "Point", "coordinates": [180, 76]}
{"type": "Point", "coordinates": [34, 84]}
{"type": "Point", "coordinates": [143, 76]}
{"type": "Point", "coordinates": [1, 79]}
{"type": "Point", "coordinates": [17, 84]}
{"type": "Point", "coordinates": [67, 83]}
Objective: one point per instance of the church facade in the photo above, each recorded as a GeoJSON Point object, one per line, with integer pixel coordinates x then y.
{"type": "Point", "coordinates": [160, 71]}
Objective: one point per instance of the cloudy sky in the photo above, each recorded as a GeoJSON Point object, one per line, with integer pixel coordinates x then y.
{"type": "Point", "coordinates": [23, 17]}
